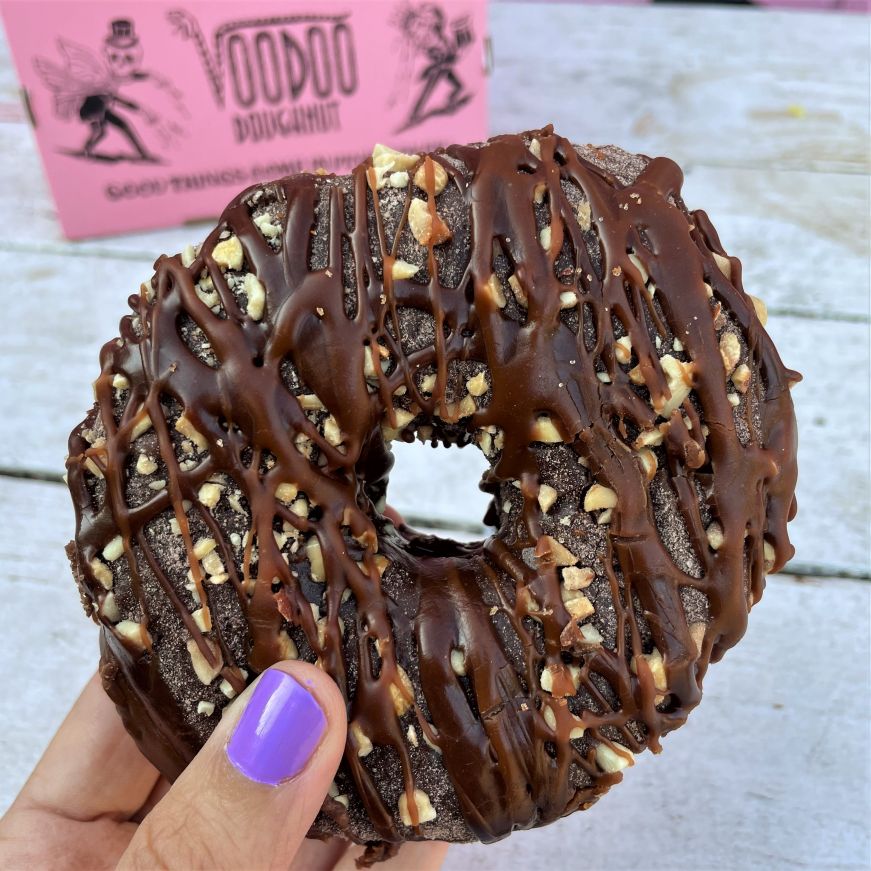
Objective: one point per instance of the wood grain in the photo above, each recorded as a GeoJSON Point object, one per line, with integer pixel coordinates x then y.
{"type": "Point", "coordinates": [769, 772]}
{"type": "Point", "coordinates": [53, 361]}
{"type": "Point", "coordinates": [767, 112]}
{"type": "Point", "coordinates": [713, 87]}
{"type": "Point", "coordinates": [774, 756]}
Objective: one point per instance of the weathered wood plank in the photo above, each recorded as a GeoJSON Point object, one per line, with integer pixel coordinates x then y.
{"type": "Point", "coordinates": [714, 87]}
{"type": "Point", "coordinates": [787, 94]}
{"type": "Point", "coordinates": [768, 773]}
{"type": "Point", "coordinates": [67, 307]}
{"type": "Point", "coordinates": [734, 87]}
{"type": "Point", "coordinates": [50, 649]}
{"type": "Point", "coordinates": [832, 407]}
{"type": "Point", "coordinates": [800, 234]}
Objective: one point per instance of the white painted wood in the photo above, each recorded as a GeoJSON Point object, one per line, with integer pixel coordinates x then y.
{"type": "Point", "coordinates": [830, 531]}
{"type": "Point", "coordinates": [789, 228]}
{"type": "Point", "coordinates": [832, 408]}
{"type": "Point", "coordinates": [710, 86]}
{"type": "Point", "coordinates": [713, 86]}
{"type": "Point", "coordinates": [769, 773]}
{"type": "Point", "coordinates": [802, 237]}
{"type": "Point", "coordinates": [31, 223]}
{"type": "Point", "coordinates": [440, 484]}
{"type": "Point", "coordinates": [51, 348]}
{"type": "Point", "coordinates": [49, 649]}
{"type": "Point", "coordinates": [768, 114]}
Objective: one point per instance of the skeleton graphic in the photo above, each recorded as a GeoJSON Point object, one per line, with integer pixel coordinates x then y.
{"type": "Point", "coordinates": [88, 87]}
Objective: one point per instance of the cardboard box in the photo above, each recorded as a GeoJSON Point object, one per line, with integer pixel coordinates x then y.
{"type": "Point", "coordinates": [149, 114]}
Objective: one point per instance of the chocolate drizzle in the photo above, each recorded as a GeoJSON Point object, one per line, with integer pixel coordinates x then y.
{"type": "Point", "coordinates": [511, 747]}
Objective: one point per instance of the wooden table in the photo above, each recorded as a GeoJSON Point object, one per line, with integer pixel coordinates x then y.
{"type": "Point", "coordinates": [768, 114]}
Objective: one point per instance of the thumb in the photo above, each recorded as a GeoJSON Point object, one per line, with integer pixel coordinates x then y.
{"type": "Point", "coordinates": [249, 796]}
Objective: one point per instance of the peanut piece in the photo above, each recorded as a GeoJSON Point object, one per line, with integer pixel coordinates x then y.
{"type": "Point", "coordinates": [228, 253]}
{"type": "Point", "coordinates": [440, 176]}
{"type": "Point", "coordinates": [424, 811]}
{"type": "Point", "coordinates": [598, 497]}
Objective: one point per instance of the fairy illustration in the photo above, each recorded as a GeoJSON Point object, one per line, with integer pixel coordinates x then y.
{"type": "Point", "coordinates": [88, 87]}
{"type": "Point", "coordinates": [425, 38]}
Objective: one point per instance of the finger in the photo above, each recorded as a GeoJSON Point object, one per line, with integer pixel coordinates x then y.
{"type": "Point", "coordinates": [92, 767]}
{"type": "Point", "coordinates": [419, 855]}
{"type": "Point", "coordinates": [250, 795]}
{"type": "Point", "coordinates": [161, 788]}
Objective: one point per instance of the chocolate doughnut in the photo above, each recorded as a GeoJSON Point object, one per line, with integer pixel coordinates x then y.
{"type": "Point", "coordinates": [555, 306]}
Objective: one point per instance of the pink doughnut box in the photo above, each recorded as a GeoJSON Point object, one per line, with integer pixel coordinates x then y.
{"type": "Point", "coordinates": [150, 114]}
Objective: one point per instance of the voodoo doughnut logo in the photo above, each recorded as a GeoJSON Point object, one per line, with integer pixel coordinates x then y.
{"type": "Point", "coordinates": [101, 89]}
{"type": "Point", "coordinates": [277, 77]}
{"type": "Point", "coordinates": [430, 49]}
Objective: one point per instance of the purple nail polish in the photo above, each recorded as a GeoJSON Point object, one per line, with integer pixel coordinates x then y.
{"type": "Point", "coordinates": [278, 731]}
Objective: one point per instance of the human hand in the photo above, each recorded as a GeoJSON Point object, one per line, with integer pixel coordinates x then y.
{"type": "Point", "coordinates": [246, 801]}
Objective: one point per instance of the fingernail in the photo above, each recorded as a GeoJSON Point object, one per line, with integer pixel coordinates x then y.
{"type": "Point", "coordinates": [279, 730]}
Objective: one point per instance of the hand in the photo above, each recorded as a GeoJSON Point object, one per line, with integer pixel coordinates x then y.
{"type": "Point", "coordinates": [246, 801]}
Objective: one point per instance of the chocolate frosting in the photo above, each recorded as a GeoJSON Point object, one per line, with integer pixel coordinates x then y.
{"type": "Point", "coordinates": [506, 742]}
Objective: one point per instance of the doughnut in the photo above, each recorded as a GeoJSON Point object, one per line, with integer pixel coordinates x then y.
{"type": "Point", "coordinates": [554, 306]}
